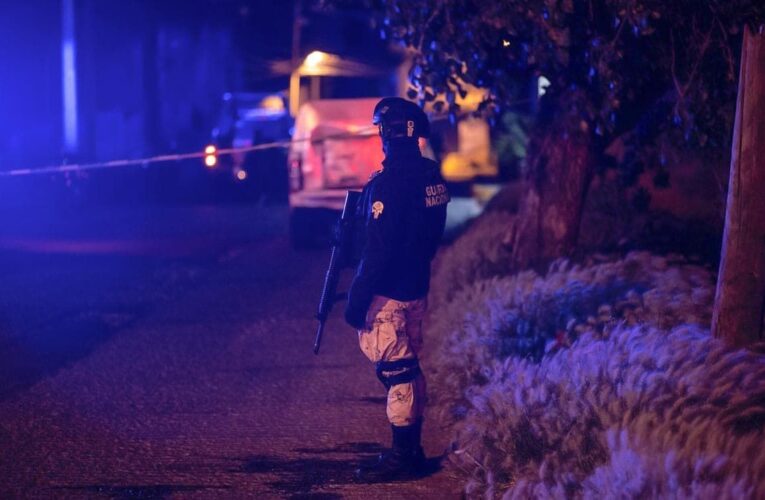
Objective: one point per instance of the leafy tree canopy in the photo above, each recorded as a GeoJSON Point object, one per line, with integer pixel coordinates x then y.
{"type": "Point", "coordinates": [614, 65]}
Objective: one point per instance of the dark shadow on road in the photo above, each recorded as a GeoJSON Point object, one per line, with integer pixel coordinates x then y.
{"type": "Point", "coordinates": [432, 466]}
{"type": "Point", "coordinates": [154, 491]}
{"type": "Point", "coordinates": [301, 477]}
{"type": "Point", "coordinates": [360, 448]}
{"type": "Point", "coordinates": [72, 277]}
{"type": "Point", "coordinates": [46, 348]}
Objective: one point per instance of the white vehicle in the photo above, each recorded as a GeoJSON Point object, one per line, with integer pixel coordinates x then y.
{"type": "Point", "coordinates": [334, 148]}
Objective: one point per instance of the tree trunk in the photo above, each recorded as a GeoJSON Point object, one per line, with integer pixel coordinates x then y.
{"type": "Point", "coordinates": [740, 298]}
{"type": "Point", "coordinates": [560, 168]}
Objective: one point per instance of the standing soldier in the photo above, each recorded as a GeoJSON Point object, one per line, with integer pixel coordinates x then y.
{"type": "Point", "coordinates": [403, 211]}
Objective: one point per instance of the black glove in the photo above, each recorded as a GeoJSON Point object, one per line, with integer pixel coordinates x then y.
{"type": "Point", "coordinates": [355, 316]}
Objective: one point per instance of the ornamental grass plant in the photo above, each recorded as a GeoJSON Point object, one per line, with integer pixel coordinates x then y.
{"type": "Point", "coordinates": [598, 379]}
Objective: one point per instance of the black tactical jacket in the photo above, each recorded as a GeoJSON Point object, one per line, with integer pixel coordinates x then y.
{"type": "Point", "coordinates": [402, 213]}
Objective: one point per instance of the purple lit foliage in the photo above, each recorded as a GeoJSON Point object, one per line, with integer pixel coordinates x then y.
{"type": "Point", "coordinates": [636, 399]}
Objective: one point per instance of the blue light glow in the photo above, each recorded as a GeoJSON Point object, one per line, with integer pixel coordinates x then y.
{"type": "Point", "coordinates": [69, 75]}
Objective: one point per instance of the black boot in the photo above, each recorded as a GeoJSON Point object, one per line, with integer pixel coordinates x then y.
{"type": "Point", "coordinates": [418, 454]}
{"type": "Point", "coordinates": [404, 461]}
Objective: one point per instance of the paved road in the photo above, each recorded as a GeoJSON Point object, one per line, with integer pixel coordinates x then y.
{"type": "Point", "coordinates": [140, 370]}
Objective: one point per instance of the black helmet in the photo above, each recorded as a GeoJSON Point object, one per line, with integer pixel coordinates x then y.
{"type": "Point", "coordinates": [398, 117]}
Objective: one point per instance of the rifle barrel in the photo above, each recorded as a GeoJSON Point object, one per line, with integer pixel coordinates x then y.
{"type": "Point", "coordinates": [319, 333]}
{"type": "Point", "coordinates": [337, 261]}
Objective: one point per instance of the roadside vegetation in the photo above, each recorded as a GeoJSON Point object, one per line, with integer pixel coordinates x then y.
{"type": "Point", "coordinates": [597, 379]}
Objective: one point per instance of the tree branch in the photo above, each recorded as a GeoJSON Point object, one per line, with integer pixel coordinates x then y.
{"type": "Point", "coordinates": [673, 65]}
{"type": "Point", "coordinates": [426, 26]}
{"type": "Point", "coordinates": [697, 63]}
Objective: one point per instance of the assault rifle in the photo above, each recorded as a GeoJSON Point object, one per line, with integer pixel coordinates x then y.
{"type": "Point", "coordinates": [342, 252]}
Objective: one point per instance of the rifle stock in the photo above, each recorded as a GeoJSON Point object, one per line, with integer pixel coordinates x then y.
{"type": "Point", "coordinates": [341, 250]}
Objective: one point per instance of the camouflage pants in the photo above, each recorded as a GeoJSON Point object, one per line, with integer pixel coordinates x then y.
{"type": "Point", "coordinates": [392, 338]}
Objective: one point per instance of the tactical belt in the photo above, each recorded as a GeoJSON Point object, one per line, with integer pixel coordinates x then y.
{"type": "Point", "coordinates": [406, 371]}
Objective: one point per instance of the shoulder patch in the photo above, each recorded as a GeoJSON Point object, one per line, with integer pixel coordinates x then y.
{"type": "Point", "coordinates": [436, 194]}
{"type": "Point", "coordinates": [377, 209]}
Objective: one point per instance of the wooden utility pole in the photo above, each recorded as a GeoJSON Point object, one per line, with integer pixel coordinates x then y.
{"type": "Point", "coordinates": [740, 298]}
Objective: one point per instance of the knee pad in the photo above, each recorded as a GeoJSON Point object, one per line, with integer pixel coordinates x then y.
{"type": "Point", "coordinates": [401, 371]}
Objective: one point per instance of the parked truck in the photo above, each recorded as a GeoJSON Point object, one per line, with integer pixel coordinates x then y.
{"type": "Point", "coordinates": [334, 149]}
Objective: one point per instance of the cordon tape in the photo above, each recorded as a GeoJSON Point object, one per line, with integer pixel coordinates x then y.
{"type": "Point", "coordinates": [81, 167]}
